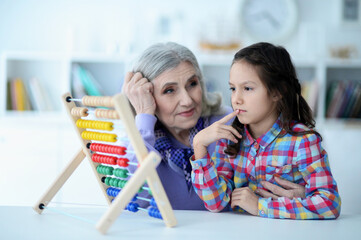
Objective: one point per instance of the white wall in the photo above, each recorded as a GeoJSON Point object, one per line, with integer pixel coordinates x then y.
{"type": "Point", "coordinates": [98, 26]}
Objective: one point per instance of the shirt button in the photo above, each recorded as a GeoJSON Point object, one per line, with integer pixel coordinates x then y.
{"type": "Point", "coordinates": [196, 165]}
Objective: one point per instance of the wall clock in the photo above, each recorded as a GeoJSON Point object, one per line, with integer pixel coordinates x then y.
{"type": "Point", "coordinates": [269, 20]}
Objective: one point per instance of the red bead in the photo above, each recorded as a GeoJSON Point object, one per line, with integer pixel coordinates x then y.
{"type": "Point", "coordinates": [105, 148]}
{"type": "Point", "coordinates": [104, 159]}
{"type": "Point", "coordinates": [123, 162]}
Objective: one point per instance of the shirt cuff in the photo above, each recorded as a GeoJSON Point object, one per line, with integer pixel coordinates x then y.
{"type": "Point", "coordinates": [263, 207]}
{"type": "Point", "coordinates": [199, 163]}
{"type": "Point", "coordinates": [145, 121]}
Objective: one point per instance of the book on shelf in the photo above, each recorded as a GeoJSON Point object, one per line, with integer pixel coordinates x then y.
{"type": "Point", "coordinates": [27, 95]}
{"type": "Point", "coordinates": [343, 99]}
{"type": "Point", "coordinates": [309, 91]}
{"type": "Point", "coordinates": [356, 108]}
{"type": "Point", "coordinates": [353, 100]}
{"type": "Point", "coordinates": [18, 97]}
{"type": "Point", "coordinates": [39, 97]}
{"type": "Point", "coordinates": [83, 83]}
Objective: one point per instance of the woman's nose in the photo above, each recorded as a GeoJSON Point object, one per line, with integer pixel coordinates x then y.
{"type": "Point", "coordinates": [185, 98]}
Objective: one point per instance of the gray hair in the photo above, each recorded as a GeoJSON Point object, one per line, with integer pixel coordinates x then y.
{"type": "Point", "coordinates": [164, 56]}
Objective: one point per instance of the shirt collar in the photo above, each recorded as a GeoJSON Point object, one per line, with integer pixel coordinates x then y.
{"type": "Point", "coordinates": [266, 138]}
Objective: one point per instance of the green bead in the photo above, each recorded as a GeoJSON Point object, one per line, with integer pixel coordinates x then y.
{"type": "Point", "coordinates": [107, 181]}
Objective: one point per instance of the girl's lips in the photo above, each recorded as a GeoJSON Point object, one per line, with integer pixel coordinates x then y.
{"type": "Point", "coordinates": [187, 113]}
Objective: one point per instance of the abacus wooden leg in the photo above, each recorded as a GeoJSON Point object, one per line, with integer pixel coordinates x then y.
{"type": "Point", "coordinates": [161, 198]}
{"type": "Point", "coordinates": [131, 188]}
{"type": "Point", "coordinates": [59, 182]}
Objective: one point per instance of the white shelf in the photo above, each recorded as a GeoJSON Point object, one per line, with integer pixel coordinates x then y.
{"type": "Point", "coordinates": [54, 70]}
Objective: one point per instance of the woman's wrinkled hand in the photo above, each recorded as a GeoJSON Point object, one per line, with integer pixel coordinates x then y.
{"type": "Point", "coordinates": [288, 189]}
{"type": "Point", "coordinates": [139, 92]}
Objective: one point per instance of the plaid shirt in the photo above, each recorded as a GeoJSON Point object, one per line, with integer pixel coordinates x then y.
{"type": "Point", "coordinates": [299, 159]}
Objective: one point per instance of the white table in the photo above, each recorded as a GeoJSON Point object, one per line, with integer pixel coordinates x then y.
{"type": "Point", "coordinates": [24, 223]}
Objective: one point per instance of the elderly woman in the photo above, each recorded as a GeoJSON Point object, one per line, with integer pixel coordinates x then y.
{"type": "Point", "coordinates": [167, 90]}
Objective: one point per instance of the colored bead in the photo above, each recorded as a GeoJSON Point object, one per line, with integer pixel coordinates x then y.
{"type": "Point", "coordinates": [104, 159]}
{"type": "Point", "coordinates": [105, 170]}
{"type": "Point", "coordinates": [97, 136]}
{"type": "Point", "coordinates": [96, 101]}
{"type": "Point", "coordinates": [122, 173]}
{"type": "Point", "coordinates": [154, 212]}
{"type": "Point", "coordinates": [92, 124]}
{"type": "Point", "coordinates": [133, 207]}
{"type": "Point", "coordinates": [105, 148]}
{"type": "Point", "coordinates": [121, 183]}
{"type": "Point", "coordinates": [113, 192]}
{"type": "Point", "coordinates": [79, 112]}
{"type": "Point", "coordinates": [123, 162]}
{"type": "Point", "coordinates": [134, 198]}
{"type": "Point", "coordinates": [104, 113]}
{"type": "Point", "coordinates": [153, 203]}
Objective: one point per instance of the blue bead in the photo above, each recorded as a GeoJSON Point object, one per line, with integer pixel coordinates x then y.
{"type": "Point", "coordinates": [135, 198]}
{"type": "Point", "coordinates": [153, 203]}
{"type": "Point", "coordinates": [154, 212]}
{"type": "Point", "coordinates": [133, 207]}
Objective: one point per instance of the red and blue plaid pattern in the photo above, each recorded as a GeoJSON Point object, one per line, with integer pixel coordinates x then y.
{"type": "Point", "coordinates": [299, 159]}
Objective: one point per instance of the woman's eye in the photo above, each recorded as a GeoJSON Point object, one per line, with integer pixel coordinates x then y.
{"type": "Point", "coordinates": [232, 89]}
{"type": "Point", "coordinates": [167, 91]}
{"type": "Point", "coordinates": [194, 83]}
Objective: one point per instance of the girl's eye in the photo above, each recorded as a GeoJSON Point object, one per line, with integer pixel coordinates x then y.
{"type": "Point", "coordinates": [248, 88]}
{"type": "Point", "coordinates": [232, 89]}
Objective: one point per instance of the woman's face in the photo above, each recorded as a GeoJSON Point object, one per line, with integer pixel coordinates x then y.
{"type": "Point", "coordinates": [178, 95]}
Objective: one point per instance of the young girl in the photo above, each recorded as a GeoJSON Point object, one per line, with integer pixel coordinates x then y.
{"type": "Point", "coordinates": [271, 138]}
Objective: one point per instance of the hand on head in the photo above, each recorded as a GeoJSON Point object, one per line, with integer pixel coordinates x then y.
{"type": "Point", "coordinates": [139, 92]}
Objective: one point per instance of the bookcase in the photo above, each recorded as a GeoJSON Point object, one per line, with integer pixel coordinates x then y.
{"type": "Point", "coordinates": [46, 138]}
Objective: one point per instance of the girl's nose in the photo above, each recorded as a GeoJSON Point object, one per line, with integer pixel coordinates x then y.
{"type": "Point", "coordinates": [237, 97]}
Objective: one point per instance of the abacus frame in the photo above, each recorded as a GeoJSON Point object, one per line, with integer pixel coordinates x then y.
{"type": "Point", "coordinates": [145, 172]}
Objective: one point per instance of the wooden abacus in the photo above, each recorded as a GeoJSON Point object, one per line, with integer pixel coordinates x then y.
{"type": "Point", "coordinates": [92, 148]}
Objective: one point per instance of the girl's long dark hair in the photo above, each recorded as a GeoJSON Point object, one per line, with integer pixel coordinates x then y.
{"type": "Point", "coordinates": [274, 67]}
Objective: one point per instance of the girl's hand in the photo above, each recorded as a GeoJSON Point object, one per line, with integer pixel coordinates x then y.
{"type": "Point", "coordinates": [246, 199]}
{"type": "Point", "coordinates": [214, 132]}
{"type": "Point", "coordinates": [289, 189]}
{"type": "Point", "coordinates": [139, 92]}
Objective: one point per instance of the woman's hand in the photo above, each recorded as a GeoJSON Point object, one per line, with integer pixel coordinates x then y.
{"type": "Point", "coordinates": [246, 199]}
{"type": "Point", "coordinates": [288, 189]}
{"type": "Point", "coordinates": [214, 132]}
{"type": "Point", "coordinates": [139, 92]}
